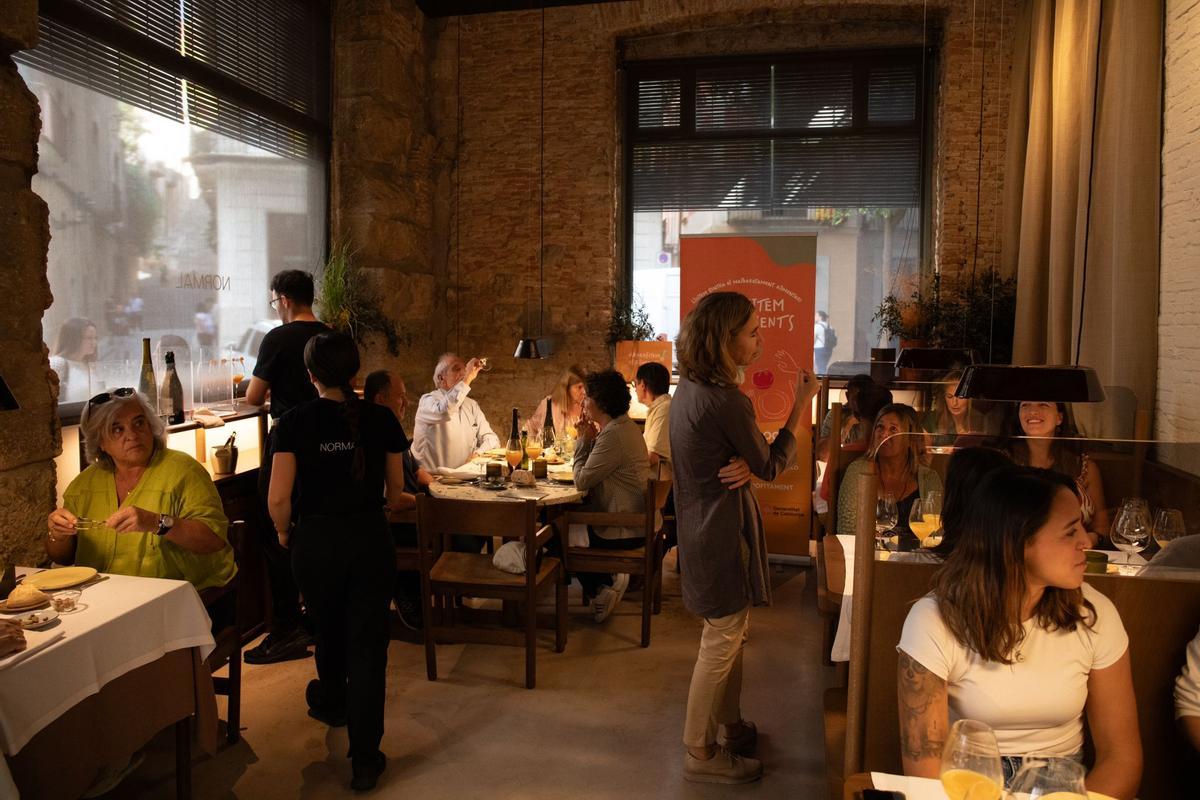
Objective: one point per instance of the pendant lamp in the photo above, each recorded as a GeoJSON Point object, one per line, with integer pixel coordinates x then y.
{"type": "Point", "coordinates": [527, 347]}
{"type": "Point", "coordinates": [1050, 384]}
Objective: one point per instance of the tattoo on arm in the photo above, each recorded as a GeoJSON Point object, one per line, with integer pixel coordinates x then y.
{"type": "Point", "coordinates": [923, 718]}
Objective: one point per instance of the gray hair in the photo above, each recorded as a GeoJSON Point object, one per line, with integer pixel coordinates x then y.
{"type": "Point", "coordinates": [98, 419]}
{"type": "Point", "coordinates": [442, 365]}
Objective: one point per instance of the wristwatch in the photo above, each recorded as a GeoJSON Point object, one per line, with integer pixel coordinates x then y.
{"type": "Point", "coordinates": [165, 524]}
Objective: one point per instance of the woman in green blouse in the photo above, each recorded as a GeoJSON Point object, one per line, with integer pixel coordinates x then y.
{"type": "Point", "coordinates": [139, 508]}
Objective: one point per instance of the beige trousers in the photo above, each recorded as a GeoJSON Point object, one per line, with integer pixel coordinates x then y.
{"type": "Point", "coordinates": [716, 691]}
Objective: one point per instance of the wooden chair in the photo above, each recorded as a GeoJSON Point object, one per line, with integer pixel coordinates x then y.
{"type": "Point", "coordinates": [228, 649]}
{"type": "Point", "coordinates": [446, 575]}
{"type": "Point", "coordinates": [645, 560]}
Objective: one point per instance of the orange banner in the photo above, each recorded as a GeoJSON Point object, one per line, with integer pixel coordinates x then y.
{"type": "Point", "coordinates": [630, 355]}
{"type": "Point", "coordinates": [778, 274]}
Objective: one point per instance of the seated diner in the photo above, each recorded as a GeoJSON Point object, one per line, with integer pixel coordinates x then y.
{"type": "Point", "coordinates": [1011, 636]}
{"type": "Point", "coordinates": [140, 508]}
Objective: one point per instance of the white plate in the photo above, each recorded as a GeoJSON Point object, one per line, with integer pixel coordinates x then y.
{"type": "Point", "coordinates": [37, 619]}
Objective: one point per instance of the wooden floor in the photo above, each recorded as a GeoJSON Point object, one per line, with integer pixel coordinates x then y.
{"type": "Point", "coordinates": [604, 722]}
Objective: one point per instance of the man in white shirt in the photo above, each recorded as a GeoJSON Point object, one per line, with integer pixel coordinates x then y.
{"type": "Point", "coordinates": [450, 426]}
{"type": "Point", "coordinates": [653, 385]}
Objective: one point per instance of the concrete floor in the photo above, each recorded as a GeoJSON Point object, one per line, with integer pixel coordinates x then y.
{"type": "Point", "coordinates": [604, 721]}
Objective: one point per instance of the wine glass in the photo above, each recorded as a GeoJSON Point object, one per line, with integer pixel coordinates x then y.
{"type": "Point", "coordinates": [925, 517]}
{"type": "Point", "coordinates": [971, 767]}
{"type": "Point", "coordinates": [886, 518]}
{"type": "Point", "coordinates": [484, 366]}
{"type": "Point", "coordinates": [1131, 531]}
{"type": "Point", "coordinates": [1050, 777]}
{"type": "Point", "coordinates": [1168, 526]}
{"type": "Point", "coordinates": [238, 368]}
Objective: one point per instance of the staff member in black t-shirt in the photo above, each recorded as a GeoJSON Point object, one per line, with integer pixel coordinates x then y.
{"type": "Point", "coordinates": [280, 374]}
{"type": "Point", "coordinates": [342, 453]}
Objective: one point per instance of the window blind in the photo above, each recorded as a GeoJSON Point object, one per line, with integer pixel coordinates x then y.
{"type": "Point", "coordinates": [774, 134]}
{"type": "Point", "coordinates": [266, 49]}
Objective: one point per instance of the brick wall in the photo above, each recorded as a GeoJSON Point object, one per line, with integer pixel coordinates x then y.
{"type": "Point", "coordinates": [477, 286]}
{"type": "Point", "coordinates": [1177, 413]}
{"type": "Point", "coordinates": [30, 437]}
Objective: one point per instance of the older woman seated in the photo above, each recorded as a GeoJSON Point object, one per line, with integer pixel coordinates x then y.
{"type": "Point", "coordinates": [611, 465]}
{"type": "Point", "coordinates": [139, 508]}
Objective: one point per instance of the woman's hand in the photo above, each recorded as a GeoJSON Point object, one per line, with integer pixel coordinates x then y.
{"type": "Point", "coordinates": [735, 474]}
{"type": "Point", "coordinates": [132, 519]}
{"type": "Point", "coordinates": [807, 386]}
{"type": "Point", "coordinates": [284, 538]}
{"type": "Point", "coordinates": [12, 638]}
{"type": "Point", "coordinates": [61, 523]}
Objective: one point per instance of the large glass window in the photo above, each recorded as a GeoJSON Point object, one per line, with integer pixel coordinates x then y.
{"type": "Point", "coordinates": [171, 206]}
{"type": "Point", "coordinates": [825, 144]}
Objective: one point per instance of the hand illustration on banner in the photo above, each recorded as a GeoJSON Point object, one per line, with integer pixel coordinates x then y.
{"type": "Point", "coordinates": [773, 390]}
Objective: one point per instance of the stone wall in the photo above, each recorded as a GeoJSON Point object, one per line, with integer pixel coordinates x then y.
{"type": "Point", "coordinates": [475, 206]}
{"type": "Point", "coordinates": [1177, 414]}
{"type": "Point", "coordinates": [30, 437]}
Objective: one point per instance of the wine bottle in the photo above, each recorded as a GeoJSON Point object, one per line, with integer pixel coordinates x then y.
{"type": "Point", "coordinates": [548, 432]}
{"type": "Point", "coordinates": [514, 452]}
{"type": "Point", "coordinates": [171, 397]}
{"type": "Point", "coordinates": [146, 383]}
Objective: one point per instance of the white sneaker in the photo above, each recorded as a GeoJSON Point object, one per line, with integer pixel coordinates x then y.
{"type": "Point", "coordinates": [606, 601]}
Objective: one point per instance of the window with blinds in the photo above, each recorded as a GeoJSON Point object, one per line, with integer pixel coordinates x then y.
{"type": "Point", "coordinates": [841, 131]}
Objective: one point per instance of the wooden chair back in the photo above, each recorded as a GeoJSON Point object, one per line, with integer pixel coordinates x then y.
{"type": "Point", "coordinates": [446, 575]}
{"type": "Point", "coordinates": [644, 560]}
{"type": "Point", "coordinates": [227, 650]}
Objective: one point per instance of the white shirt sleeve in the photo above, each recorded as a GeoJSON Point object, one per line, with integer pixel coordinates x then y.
{"type": "Point", "coordinates": [438, 405]}
{"type": "Point", "coordinates": [928, 641]}
{"type": "Point", "coordinates": [1109, 640]}
{"type": "Point", "coordinates": [1187, 685]}
{"type": "Point", "coordinates": [487, 438]}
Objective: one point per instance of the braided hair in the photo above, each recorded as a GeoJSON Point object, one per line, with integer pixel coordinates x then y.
{"type": "Point", "coordinates": [332, 358]}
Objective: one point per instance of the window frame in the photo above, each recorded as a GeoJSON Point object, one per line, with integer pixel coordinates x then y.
{"type": "Point", "coordinates": [686, 69]}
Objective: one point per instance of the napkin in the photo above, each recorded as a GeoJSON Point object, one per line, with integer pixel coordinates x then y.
{"type": "Point", "coordinates": [207, 420]}
{"type": "Point", "coordinates": [913, 788]}
{"type": "Point", "coordinates": [467, 472]}
{"type": "Point", "coordinates": [34, 641]}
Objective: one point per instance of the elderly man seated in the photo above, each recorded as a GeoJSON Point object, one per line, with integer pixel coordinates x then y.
{"type": "Point", "coordinates": [139, 508]}
{"type": "Point", "coordinates": [450, 426]}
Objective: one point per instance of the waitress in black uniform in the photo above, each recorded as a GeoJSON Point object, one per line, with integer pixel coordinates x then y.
{"type": "Point", "coordinates": [342, 454]}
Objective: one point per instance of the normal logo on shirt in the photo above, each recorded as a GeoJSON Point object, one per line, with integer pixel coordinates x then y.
{"type": "Point", "coordinates": [336, 447]}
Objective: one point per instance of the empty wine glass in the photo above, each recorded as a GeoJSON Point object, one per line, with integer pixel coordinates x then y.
{"type": "Point", "coordinates": [484, 366]}
{"type": "Point", "coordinates": [1050, 777]}
{"type": "Point", "coordinates": [1168, 526]}
{"type": "Point", "coordinates": [971, 768]}
{"type": "Point", "coordinates": [886, 518]}
{"type": "Point", "coordinates": [1131, 531]}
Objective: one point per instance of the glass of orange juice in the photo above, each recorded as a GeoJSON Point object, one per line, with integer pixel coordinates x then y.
{"type": "Point", "coordinates": [971, 767]}
{"type": "Point", "coordinates": [925, 519]}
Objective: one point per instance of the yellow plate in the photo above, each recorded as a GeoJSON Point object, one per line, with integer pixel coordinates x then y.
{"type": "Point", "coordinates": [61, 578]}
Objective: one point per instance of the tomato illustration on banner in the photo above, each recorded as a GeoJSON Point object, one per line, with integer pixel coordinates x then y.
{"type": "Point", "coordinates": [778, 274]}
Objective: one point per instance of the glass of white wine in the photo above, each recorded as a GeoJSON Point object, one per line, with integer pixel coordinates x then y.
{"type": "Point", "coordinates": [1168, 526]}
{"type": "Point", "coordinates": [1047, 777]}
{"type": "Point", "coordinates": [971, 767]}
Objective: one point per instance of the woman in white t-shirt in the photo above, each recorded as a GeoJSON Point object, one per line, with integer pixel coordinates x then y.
{"type": "Point", "coordinates": [1013, 637]}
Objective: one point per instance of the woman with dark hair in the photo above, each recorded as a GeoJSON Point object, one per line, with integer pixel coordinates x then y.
{"type": "Point", "coordinates": [1011, 635]}
{"type": "Point", "coordinates": [717, 445]}
{"type": "Point", "coordinates": [611, 465]}
{"type": "Point", "coordinates": [965, 471]}
{"type": "Point", "coordinates": [340, 455]}
{"type": "Point", "coordinates": [1043, 435]}
{"type": "Point", "coordinates": [74, 350]}
{"type": "Point", "coordinates": [897, 448]}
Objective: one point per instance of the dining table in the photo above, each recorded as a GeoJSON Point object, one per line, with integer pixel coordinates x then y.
{"type": "Point", "coordinates": [911, 788]}
{"type": "Point", "coordinates": [465, 483]}
{"type": "Point", "coordinates": [99, 682]}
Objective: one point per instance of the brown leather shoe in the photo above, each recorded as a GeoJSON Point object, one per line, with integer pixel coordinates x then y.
{"type": "Point", "coordinates": [723, 767]}
{"type": "Point", "coordinates": [744, 743]}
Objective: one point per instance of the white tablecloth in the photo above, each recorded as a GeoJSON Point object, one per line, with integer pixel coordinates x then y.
{"type": "Point", "coordinates": [123, 623]}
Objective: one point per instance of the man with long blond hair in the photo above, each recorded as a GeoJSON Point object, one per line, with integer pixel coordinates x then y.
{"type": "Point", "coordinates": [716, 446]}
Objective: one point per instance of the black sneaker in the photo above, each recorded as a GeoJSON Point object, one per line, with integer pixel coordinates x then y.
{"type": "Point", "coordinates": [366, 771]}
{"type": "Point", "coordinates": [275, 648]}
{"type": "Point", "coordinates": [317, 708]}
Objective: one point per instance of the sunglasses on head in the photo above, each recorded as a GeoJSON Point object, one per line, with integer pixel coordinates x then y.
{"type": "Point", "coordinates": [104, 397]}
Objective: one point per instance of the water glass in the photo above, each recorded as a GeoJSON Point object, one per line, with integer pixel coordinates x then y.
{"type": "Point", "coordinates": [886, 517]}
{"type": "Point", "coordinates": [1131, 530]}
{"type": "Point", "coordinates": [1047, 775]}
{"type": "Point", "coordinates": [971, 768]}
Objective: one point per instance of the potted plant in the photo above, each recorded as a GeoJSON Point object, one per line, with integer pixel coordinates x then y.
{"type": "Point", "coordinates": [348, 302]}
{"type": "Point", "coordinates": [630, 321]}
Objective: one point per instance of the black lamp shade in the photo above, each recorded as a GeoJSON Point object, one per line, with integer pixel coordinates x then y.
{"type": "Point", "coordinates": [527, 348]}
{"type": "Point", "coordinates": [1040, 383]}
{"type": "Point", "coordinates": [934, 358]}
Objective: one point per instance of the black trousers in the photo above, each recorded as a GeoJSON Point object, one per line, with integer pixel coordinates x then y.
{"type": "Point", "coordinates": [346, 567]}
{"type": "Point", "coordinates": [285, 597]}
{"type": "Point", "coordinates": [592, 581]}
